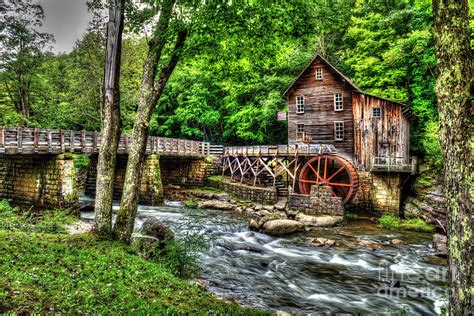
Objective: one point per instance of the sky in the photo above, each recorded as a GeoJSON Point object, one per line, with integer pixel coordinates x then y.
{"type": "Point", "coordinates": [67, 20]}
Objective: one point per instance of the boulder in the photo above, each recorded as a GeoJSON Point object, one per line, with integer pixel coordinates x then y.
{"type": "Point", "coordinates": [269, 208]}
{"type": "Point", "coordinates": [258, 207]}
{"type": "Point", "coordinates": [323, 242]}
{"type": "Point", "coordinates": [281, 227]}
{"type": "Point", "coordinates": [216, 205]}
{"type": "Point", "coordinates": [253, 225]}
{"type": "Point", "coordinates": [396, 242]}
{"type": "Point", "coordinates": [319, 221]}
{"type": "Point", "coordinates": [440, 244]}
{"type": "Point", "coordinates": [280, 205]}
{"type": "Point", "coordinates": [153, 227]}
{"type": "Point", "coordinates": [369, 244]}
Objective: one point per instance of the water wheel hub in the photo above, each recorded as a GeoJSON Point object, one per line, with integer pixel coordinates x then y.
{"type": "Point", "coordinates": [332, 171]}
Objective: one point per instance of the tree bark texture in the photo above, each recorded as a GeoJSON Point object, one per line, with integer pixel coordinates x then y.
{"type": "Point", "coordinates": [111, 122]}
{"type": "Point", "coordinates": [453, 90]}
{"type": "Point", "coordinates": [150, 92]}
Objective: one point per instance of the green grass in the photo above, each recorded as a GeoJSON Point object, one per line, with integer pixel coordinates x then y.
{"type": "Point", "coordinates": [191, 203]}
{"type": "Point", "coordinates": [208, 190]}
{"type": "Point", "coordinates": [78, 274]}
{"type": "Point", "coordinates": [350, 215]}
{"type": "Point", "coordinates": [417, 224]}
{"type": "Point", "coordinates": [215, 178]}
{"type": "Point", "coordinates": [28, 221]}
{"type": "Point", "coordinates": [390, 221]}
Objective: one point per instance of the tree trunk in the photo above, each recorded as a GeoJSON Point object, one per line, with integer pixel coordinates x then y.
{"type": "Point", "coordinates": [129, 203]}
{"type": "Point", "coordinates": [111, 122]}
{"type": "Point", "coordinates": [453, 86]}
{"type": "Point", "coordinates": [150, 92]}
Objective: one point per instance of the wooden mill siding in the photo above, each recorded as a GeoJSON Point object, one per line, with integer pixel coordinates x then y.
{"type": "Point", "coordinates": [319, 114]}
{"type": "Point", "coordinates": [365, 136]}
{"type": "Point", "coordinates": [386, 136]}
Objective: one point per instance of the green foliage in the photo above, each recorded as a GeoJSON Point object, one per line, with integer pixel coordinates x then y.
{"type": "Point", "coordinates": [215, 178]}
{"type": "Point", "coordinates": [181, 254]}
{"type": "Point", "coordinates": [81, 161]}
{"type": "Point", "coordinates": [81, 275]}
{"type": "Point", "coordinates": [11, 218]}
{"type": "Point", "coordinates": [191, 203]}
{"type": "Point", "coordinates": [417, 224]}
{"type": "Point", "coordinates": [350, 215]}
{"type": "Point", "coordinates": [391, 221]}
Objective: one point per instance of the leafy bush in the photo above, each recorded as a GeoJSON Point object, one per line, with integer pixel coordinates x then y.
{"type": "Point", "coordinates": [181, 255]}
{"type": "Point", "coordinates": [417, 224]}
{"type": "Point", "coordinates": [191, 203]}
{"type": "Point", "coordinates": [389, 221]}
{"type": "Point", "coordinates": [350, 215]}
{"type": "Point", "coordinates": [81, 161]}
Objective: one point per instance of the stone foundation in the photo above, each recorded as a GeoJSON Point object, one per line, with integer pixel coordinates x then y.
{"type": "Point", "coordinates": [246, 192]}
{"type": "Point", "coordinates": [186, 172]}
{"type": "Point", "coordinates": [42, 181]}
{"type": "Point", "coordinates": [385, 193]}
{"type": "Point", "coordinates": [151, 189]}
{"type": "Point", "coordinates": [321, 201]}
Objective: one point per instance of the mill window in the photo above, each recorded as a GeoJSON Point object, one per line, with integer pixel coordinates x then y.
{"type": "Point", "coordinates": [338, 102]}
{"type": "Point", "coordinates": [300, 104]}
{"type": "Point", "coordinates": [376, 112]}
{"type": "Point", "coordinates": [338, 131]}
{"type": "Point", "coordinates": [319, 74]}
{"type": "Point", "coordinates": [300, 128]}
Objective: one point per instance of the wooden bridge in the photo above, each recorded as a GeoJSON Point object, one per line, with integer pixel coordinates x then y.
{"type": "Point", "coordinates": [55, 141]}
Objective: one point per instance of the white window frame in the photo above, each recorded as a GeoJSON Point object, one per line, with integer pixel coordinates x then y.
{"type": "Point", "coordinates": [319, 73]}
{"type": "Point", "coordinates": [338, 104]}
{"type": "Point", "coordinates": [299, 106]}
{"type": "Point", "coordinates": [337, 137]}
{"type": "Point", "coordinates": [379, 110]}
{"type": "Point", "coordinates": [298, 128]}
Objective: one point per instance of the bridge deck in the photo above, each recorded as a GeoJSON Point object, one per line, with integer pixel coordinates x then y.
{"type": "Point", "coordinates": [54, 141]}
{"type": "Point", "coordinates": [280, 150]}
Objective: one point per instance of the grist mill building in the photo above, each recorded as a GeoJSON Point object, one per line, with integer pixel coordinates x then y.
{"type": "Point", "coordinates": [339, 137]}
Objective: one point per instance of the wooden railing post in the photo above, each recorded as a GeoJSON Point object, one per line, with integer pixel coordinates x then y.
{"type": "Point", "coordinates": [19, 138]}
{"type": "Point", "coordinates": [71, 140]}
{"type": "Point", "coordinates": [83, 141]}
{"type": "Point", "coordinates": [36, 139]}
{"type": "Point", "coordinates": [94, 142]}
{"type": "Point", "coordinates": [2, 139]}
{"type": "Point", "coordinates": [61, 140]}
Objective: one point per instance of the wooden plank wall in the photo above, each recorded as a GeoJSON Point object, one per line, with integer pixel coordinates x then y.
{"type": "Point", "coordinates": [319, 115]}
{"type": "Point", "coordinates": [387, 136]}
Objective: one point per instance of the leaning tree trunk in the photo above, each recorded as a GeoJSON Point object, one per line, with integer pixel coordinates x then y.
{"type": "Point", "coordinates": [111, 123]}
{"type": "Point", "coordinates": [453, 87]}
{"type": "Point", "coordinates": [129, 203]}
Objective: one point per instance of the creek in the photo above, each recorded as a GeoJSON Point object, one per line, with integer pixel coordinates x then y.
{"type": "Point", "coordinates": [291, 274]}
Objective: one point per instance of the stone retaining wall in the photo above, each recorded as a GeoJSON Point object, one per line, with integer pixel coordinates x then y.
{"type": "Point", "coordinates": [186, 172]}
{"type": "Point", "coordinates": [42, 181]}
{"type": "Point", "coordinates": [246, 192]}
{"type": "Point", "coordinates": [320, 201]}
{"type": "Point", "coordinates": [151, 189]}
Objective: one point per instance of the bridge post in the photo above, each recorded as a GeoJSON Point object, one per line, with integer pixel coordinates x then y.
{"type": "Point", "coordinates": [151, 188]}
{"type": "Point", "coordinates": [44, 181]}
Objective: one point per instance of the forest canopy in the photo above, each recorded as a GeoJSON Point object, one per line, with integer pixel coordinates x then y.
{"type": "Point", "coordinates": [227, 87]}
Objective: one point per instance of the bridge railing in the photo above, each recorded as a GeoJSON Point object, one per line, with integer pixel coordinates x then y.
{"type": "Point", "coordinates": [19, 140]}
{"type": "Point", "coordinates": [275, 150]}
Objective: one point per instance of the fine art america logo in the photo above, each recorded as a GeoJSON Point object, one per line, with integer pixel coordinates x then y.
{"type": "Point", "coordinates": [393, 281]}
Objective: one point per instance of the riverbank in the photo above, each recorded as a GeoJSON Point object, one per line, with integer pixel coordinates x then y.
{"type": "Point", "coordinates": [59, 273]}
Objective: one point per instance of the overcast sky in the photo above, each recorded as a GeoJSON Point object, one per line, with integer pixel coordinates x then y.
{"type": "Point", "coordinates": [67, 20]}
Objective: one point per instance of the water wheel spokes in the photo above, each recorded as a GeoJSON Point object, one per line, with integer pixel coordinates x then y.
{"type": "Point", "coordinates": [332, 171]}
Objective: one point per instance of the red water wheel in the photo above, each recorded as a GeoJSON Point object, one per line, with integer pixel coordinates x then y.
{"type": "Point", "coordinates": [332, 171]}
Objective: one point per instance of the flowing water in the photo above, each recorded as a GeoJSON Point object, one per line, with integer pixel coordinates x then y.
{"type": "Point", "coordinates": [292, 275]}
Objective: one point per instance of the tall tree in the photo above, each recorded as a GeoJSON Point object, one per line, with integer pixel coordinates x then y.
{"type": "Point", "coordinates": [151, 89]}
{"type": "Point", "coordinates": [453, 90]}
{"type": "Point", "coordinates": [21, 46]}
{"type": "Point", "coordinates": [111, 123]}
